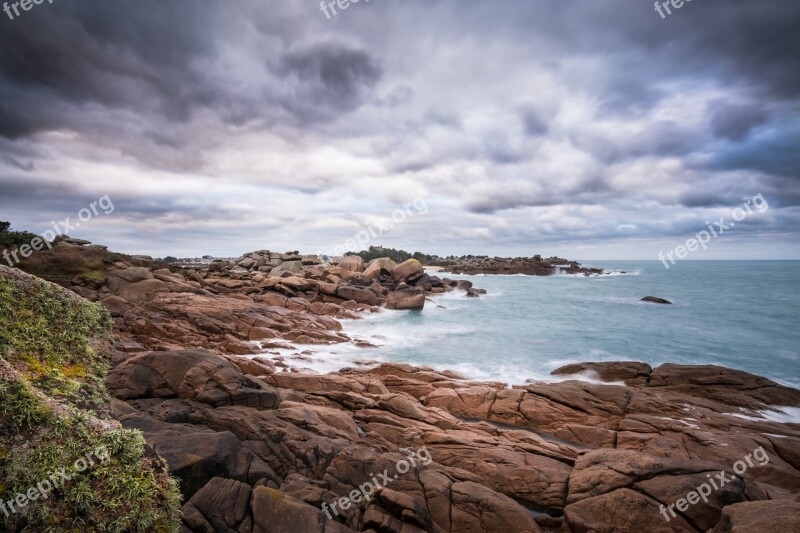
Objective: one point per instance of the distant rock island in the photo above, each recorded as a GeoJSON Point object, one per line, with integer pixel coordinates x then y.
{"type": "Point", "coordinates": [529, 266]}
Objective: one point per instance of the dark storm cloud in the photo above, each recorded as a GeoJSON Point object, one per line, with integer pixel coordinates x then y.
{"type": "Point", "coordinates": [589, 191]}
{"type": "Point", "coordinates": [759, 39]}
{"type": "Point", "coordinates": [773, 152]}
{"type": "Point", "coordinates": [104, 53]}
{"type": "Point", "coordinates": [701, 198]}
{"type": "Point", "coordinates": [154, 58]}
{"type": "Point", "coordinates": [736, 121]}
{"type": "Point", "coordinates": [327, 78]}
{"type": "Point", "coordinates": [15, 190]}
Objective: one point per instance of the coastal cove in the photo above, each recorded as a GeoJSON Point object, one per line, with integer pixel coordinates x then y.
{"type": "Point", "coordinates": [737, 314]}
{"type": "Point", "coordinates": [251, 437]}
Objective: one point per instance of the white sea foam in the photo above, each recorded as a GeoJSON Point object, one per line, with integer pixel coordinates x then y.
{"type": "Point", "coordinates": [527, 326]}
{"type": "Point", "coordinates": [613, 273]}
{"type": "Point", "coordinates": [776, 413]}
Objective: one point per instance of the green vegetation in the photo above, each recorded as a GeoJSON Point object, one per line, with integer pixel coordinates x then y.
{"type": "Point", "coordinates": [398, 256]}
{"type": "Point", "coordinates": [50, 336]}
{"type": "Point", "coordinates": [20, 410]}
{"type": "Point", "coordinates": [10, 238]}
{"type": "Point", "coordinates": [54, 351]}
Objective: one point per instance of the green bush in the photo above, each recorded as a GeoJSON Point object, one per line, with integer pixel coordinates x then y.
{"type": "Point", "coordinates": [10, 238]}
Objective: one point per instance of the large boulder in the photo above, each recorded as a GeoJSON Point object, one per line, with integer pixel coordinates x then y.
{"type": "Point", "coordinates": [221, 505]}
{"type": "Point", "coordinates": [292, 266]}
{"type": "Point", "coordinates": [408, 271]}
{"type": "Point", "coordinates": [406, 299]}
{"type": "Point", "coordinates": [606, 482]}
{"type": "Point", "coordinates": [115, 305]}
{"type": "Point", "coordinates": [196, 454]}
{"type": "Point", "coordinates": [247, 262]}
{"type": "Point", "coordinates": [133, 274]}
{"type": "Point", "coordinates": [143, 290]}
{"type": "Point", "coordinates": [196, 375]}
{"type": "Point", "coordinates": [380, 267]}
{"type": "Point", "coordinates": [353, 263]}
{"type": "Point", "coordinates": [747, 517]}
{"type": "Point", "coordinates": [362, 296]}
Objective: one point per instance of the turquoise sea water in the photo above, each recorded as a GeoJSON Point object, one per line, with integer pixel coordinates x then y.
{"type": "Point", "coordinates": [739, 314]}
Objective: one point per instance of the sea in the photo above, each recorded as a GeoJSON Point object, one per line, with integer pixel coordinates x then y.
{"type": "Point", "coordinates": [738, 314]}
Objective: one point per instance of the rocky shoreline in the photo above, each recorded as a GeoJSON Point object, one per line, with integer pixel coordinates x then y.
{"type": "Point", "coordinates": [529, 266]}
{"type": "Point", "coordinates": [229, 306]}
{"type": "Point", "coordinates": [262, 446]}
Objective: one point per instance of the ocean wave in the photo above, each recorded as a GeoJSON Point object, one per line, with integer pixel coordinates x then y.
{"type": "Point", "coordinates": [612, 273]}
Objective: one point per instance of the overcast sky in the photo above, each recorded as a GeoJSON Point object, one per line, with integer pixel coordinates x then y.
{"type": "Point", "coordinates": [584, 128]}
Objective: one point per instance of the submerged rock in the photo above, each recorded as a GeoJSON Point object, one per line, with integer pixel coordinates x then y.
{"type": "Point", "coordinates": [655, 300]}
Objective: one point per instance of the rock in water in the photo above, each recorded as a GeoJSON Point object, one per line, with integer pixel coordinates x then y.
{"type": "Point", "coordinates": [655, 300]}
{"type": "Point", "coordinates": [408, 298]}
{"type": "Point", "coordinates": [408, 271]}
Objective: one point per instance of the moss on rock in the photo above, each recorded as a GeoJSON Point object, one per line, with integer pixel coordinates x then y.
{"type": "Point", "coordinates": [54, 353]}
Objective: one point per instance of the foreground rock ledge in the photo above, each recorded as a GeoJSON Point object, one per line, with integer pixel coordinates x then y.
{"type": "Point", "coordinates": [263, 451]}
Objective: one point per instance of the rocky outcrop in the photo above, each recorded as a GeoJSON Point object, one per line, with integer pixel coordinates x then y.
{"type": "Point", "coordinates": [262, 298]}
{"type": "Point", "coordinates": [584, 456]}
{"type": "Point", "coordinates": [322, 438]}
{"type": "Point", "coordinates": [531, 266]}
